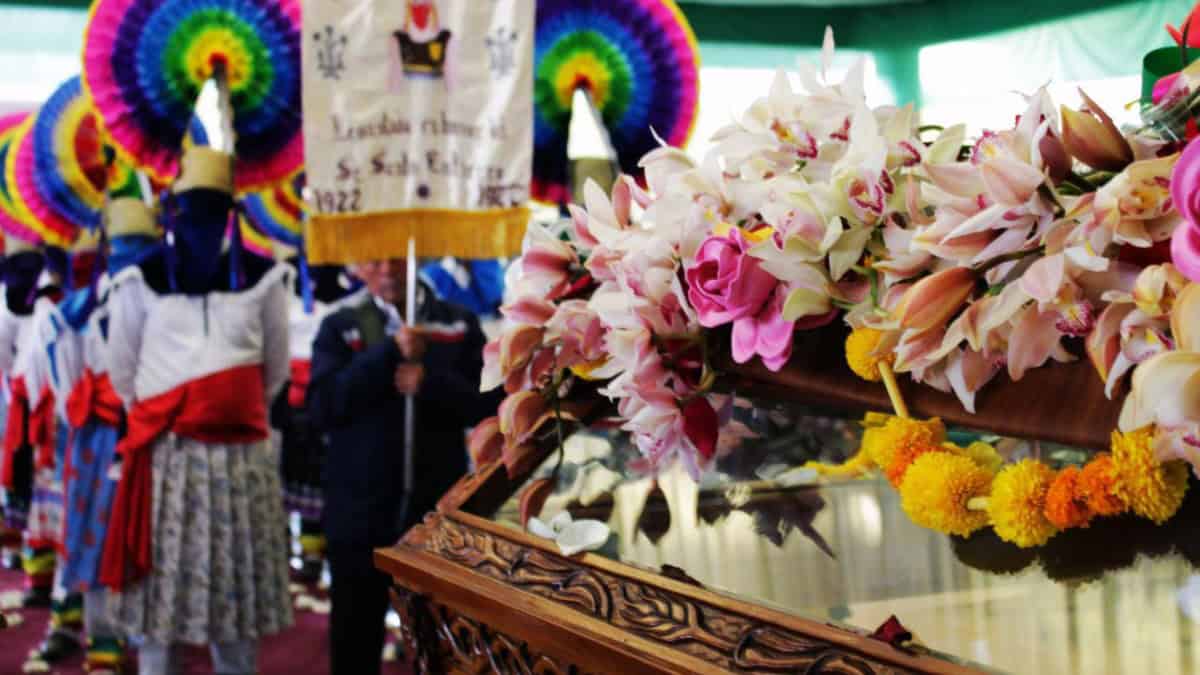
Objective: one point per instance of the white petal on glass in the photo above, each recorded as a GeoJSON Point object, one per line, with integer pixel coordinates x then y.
{"type": "Point", "coordinates": [560, 522]}
{"type": "Point", "coordinates": [582, 535]}
{"type": "Point", "coordinates": [536, 527]}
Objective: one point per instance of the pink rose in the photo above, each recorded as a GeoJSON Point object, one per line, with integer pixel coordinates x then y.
{"type": "Point", "coordinates": [725, 283]}
{"type": "Point", "coordinates": [1185, 195]}
{"type": "Point", "coordinates": [766, 334]}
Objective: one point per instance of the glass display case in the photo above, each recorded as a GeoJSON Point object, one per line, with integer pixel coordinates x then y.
{"type": "Point", "coordinates": [761, 566]}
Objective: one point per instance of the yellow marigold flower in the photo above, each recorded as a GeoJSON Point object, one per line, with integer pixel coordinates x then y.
{"type": "Point", "coordinates": [900, 440]}
{"type": "Point", "coordinates": [1152, 489]}
{"type": "Point", "coordinates": [1065, 506]}
{"type": "Point", "coordinates": [982, 454]}
{"type": "Point", "coordinates": [1097, 484]}
{"type": "Point", "coordinates": [854, 467]}
{"type": "Point", "coordinates": [936, 490]}
{"type": "Point", "coordinates": [860, 353]}
{"type": "Point", "coordinates": [1018, 503]}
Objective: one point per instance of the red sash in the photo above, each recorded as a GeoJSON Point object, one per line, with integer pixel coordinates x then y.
{"type": "Point", "coordinates": [227, 407]}
{"type": "Point", "coordinates": [42, 430]}
{"type": "Point", "coordinates": [93, 396]}
{"type": "Point", "coordinates": [298, 387]}
{"type": "Point", "coordinates": [14, 430]}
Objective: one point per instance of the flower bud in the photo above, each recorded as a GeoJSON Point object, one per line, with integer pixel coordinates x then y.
{"type": "Point", "coordinates": [1093, 139]}
{"type": "Point", "coordinates": [932, 301]}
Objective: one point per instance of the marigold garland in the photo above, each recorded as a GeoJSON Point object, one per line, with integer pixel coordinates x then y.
{"type": "Point", "coordinates": [1152, 489]}
{"type": "Point", "coordinates": [894, 445]}
{"type": "Point", "coordinates": [1065, 506]}
{"type": "Point", "coordinates": [903, 458]}
{"type": "Point", "coordinates": [1026, 503]}
{"type": "Point", "coordinates": [860, 353]}
{"type": "Point", "coordinates": [983, 454]}
{"type": "Point", "coordinates": [1018, 503]}
{"type": "Point", "coordinates": [1096, 486]}
{"type": "Point", "coordinates": [937, 489]}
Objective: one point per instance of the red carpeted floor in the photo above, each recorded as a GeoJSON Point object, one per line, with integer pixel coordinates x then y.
{"type": "Point", "coordinates": [302, 649]}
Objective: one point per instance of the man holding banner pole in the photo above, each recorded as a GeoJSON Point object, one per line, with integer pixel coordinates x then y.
{"type": "Point", "coordinates": [418, 130]}
{"type": "Point", "coordinates": [368, 363]}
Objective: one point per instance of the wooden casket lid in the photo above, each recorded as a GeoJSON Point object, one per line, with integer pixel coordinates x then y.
{"type": "Point", "coordinates": [1059, 402]}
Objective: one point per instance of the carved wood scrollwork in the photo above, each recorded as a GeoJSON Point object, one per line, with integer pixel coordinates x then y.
{"type": "Point", "coordinates": [444, 641]}
{"type": "Point", "coordinates": [729, 640]}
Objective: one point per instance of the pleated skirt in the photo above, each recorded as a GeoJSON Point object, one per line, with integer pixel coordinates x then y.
{"type": "Point", "coordinates": [218, 544]}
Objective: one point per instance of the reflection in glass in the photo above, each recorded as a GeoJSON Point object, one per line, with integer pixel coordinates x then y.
{"type": "Point", "coordinates": [1117, 597]}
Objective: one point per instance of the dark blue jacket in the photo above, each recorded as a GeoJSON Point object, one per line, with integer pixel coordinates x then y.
{"type": "Point", "coordinates": [352, 398]}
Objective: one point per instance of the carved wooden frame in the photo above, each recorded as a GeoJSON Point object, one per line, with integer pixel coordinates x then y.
{"type": "Point", "coordinates": [476, 596]}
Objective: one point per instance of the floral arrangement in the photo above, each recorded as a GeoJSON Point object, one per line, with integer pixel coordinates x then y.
{"type": "Point", "coordinates": [950, 259]}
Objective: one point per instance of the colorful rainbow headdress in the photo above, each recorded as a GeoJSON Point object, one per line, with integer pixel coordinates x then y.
{"type": "Point", "coordinates": [10, 221]}
{"type": "Point", "coordinates": [639, 62]}
{"type": "Point", "coordinates": [122, 181]}
{"type": "Point", "coordinates": [254, 240]}
{"type": "Point", "coordinates": [145, 61]}
{"type": "Point", "coordinates": [278, 212]}
{"type": "Point", "coordinates": [29, 205]}
{"type": "Point", "coordinates": [70, 170]}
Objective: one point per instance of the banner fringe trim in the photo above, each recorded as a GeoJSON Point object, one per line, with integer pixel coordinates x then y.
{"type": "Point", "coordinates": [346, 238]}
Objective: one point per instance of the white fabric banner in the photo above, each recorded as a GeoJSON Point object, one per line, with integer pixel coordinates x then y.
{"type": "Point", "coordinates": [413, 108]}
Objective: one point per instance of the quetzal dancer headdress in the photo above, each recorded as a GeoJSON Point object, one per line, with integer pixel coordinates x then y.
{"type": "Point", "coordinates": [640, 66]}
{"type": "Point", "coordinates": [146, 61]}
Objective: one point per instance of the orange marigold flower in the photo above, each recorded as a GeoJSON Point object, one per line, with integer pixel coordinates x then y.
{"type": "Point", "coordinates": [1096, 484]}
{"type": "Point", "coordinates": [898, 441]}
{"type": "Point", "coordinates": [1152, 489]}
{"type": "Point", "coordinates": [936, 491]}
{"type": "Point", "coordinates": [1018, 503]}
{"type": "Point", "coordinates": [860, 353]}
{"type": "Point", "coordinates": [1065, 507]}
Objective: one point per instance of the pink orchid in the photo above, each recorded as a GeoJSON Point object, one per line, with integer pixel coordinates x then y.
{"type": "Point", "coordinates": [1125, 336]}
{"type": "Point", "coordinates": [1049, 282]}
{"type": "Point", "coordinates": [547, 262]}
{"type": "Point", "coordinates": [1166, 387]}
{"type": "Point", "coordinates": [579, 332]}
{"type": "Point", "coordinates": [517, 347]}
{"type": "Point", "coordinates": [1136, 206]}
{"type": "Point", "coordinates": [492, 376]}
{"type": "Point", "coordinates": [520, 415]}
{"type": "Point", "coordinates": [529, 310]}
{"type": "Point", "coordinates": [485, 441]}
{"type": "Point", "coordinates": [725, 283]}
{"type": "Point", "coordinates": [967, 372]}
{"type": "Point", "coordinates": [1035, 338]}
{"type": "Point", "coordinates": [993, 205]}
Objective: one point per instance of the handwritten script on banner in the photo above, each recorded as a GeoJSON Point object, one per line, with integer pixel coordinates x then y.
{"type": "Point", "coordinates": [418, 120]}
